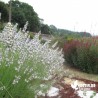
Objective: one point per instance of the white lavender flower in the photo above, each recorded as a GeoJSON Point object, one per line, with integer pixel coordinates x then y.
{"type": "Point", "coordinates": [16, 80]}
{"type": "Point", "coordinates": [30, 59]}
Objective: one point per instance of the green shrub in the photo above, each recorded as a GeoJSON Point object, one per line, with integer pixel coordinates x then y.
{"type": "Point", "coordinates": [83, 54]}
{"type": "Point", "coordinates": [70, 51]}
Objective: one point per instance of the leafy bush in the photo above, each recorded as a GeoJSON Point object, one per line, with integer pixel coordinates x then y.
{"type": "Point", "coordinates": [83, 54]}
{"type": "Point", "coordinates": [70, 51]}
{"type": "Point", "coordinates": [25, 63]}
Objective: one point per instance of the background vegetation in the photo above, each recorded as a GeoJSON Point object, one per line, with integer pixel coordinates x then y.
{"type": "Point", "coordinates": [22, 12]}
{"type": "Point", "coordinates": [83, 54]}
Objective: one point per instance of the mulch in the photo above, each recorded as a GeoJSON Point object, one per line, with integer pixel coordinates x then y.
{"type": "Point", "coordinates": [66, 91]}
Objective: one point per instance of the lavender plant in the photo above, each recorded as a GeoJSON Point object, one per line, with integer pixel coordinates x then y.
{"type": "Point", "coordinates": [25, 63]}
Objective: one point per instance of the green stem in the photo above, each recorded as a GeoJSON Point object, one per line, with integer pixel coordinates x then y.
{"type": "Point", "coordinates": [6, 90]}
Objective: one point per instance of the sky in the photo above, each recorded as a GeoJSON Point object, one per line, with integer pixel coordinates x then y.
{"type": "Point", "coordinates": [75, 15]}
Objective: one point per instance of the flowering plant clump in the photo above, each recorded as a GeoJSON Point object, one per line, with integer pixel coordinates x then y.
{"type": "Point", "coordinates": [25, 63]}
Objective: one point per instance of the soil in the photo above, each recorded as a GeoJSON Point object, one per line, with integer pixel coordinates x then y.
{"type": "Point", "coordinates": [66, 91]}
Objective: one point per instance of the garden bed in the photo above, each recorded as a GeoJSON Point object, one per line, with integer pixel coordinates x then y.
{"type": "Point", "coordinates": [66, 91]}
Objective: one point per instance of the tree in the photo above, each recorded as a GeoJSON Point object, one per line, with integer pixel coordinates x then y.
{"type": "Point", "coordinates": [46, 29]}
{"type": "Point", "coordinates": [18, 17]}
{"type": "Point", "coordinates": [53, 28]}
{"type": "Point", "coordinates": [85, 34]}
{"type": "Point", "coordinates": [22, 12]}
{"type": "Point", "coordinates": [3, 11]}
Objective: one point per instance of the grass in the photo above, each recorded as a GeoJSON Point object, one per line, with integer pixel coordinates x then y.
{"type": "Point", "coordinates": [73, 72]}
